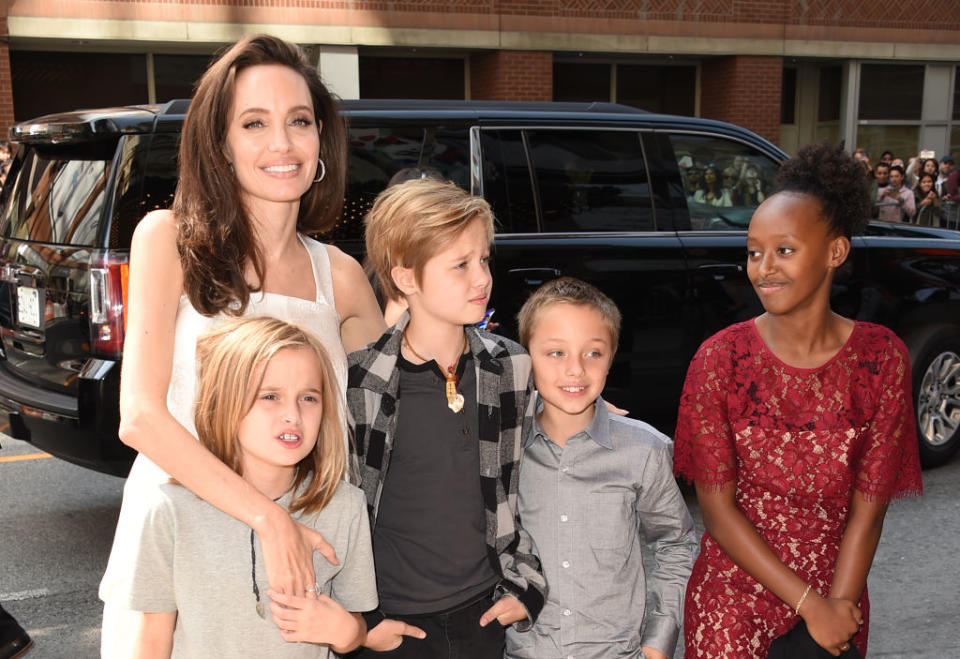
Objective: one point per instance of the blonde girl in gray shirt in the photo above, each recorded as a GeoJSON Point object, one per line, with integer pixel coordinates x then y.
{"type": "Point", "coordinates": [268, 405]}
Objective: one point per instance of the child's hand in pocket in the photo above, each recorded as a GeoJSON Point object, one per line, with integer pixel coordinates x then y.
{"type": "Point", "coordinates": [506, 610]}
{"type": "Point", "coordinates": [389, 633]}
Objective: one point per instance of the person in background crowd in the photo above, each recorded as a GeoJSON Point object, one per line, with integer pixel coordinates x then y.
{"type": "Point", "coordinates": [918, 165]}
{"type": "Point", "coordinates": [951, 177]}
{"type": "Point", "coordinates": [928, 203]}
{"type": "Point", "coordinates": [896, 202]}
{"type": "Point", "coordinates": [711, 191]}
{"type": "Point", "coordinates": [887, 157]}
{"type": "Point", "coordinates": [4, 160]}
{"type": "Point", "coordinates": [729, 180]}
{"type": "Point", "coordinates": [946, 166]}
{"type": "Point", "coordinates": [750, 190]}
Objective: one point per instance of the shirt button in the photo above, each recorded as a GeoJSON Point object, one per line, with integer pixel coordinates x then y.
{"type": "Point", "coordinates": [565, 564]}
{"type": "Point", "coordinates": [564, 469]}
{"type": "Point", "coordinates": [563, 518]}
{"type": "Point", "coordinates": [566, 612]}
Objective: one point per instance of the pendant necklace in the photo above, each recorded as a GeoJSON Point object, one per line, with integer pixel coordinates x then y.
{"type": "Point", "coordinates": [454, 398]}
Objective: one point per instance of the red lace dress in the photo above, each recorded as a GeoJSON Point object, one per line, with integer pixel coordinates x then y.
{"type": "Point", "coordinates": [797, 442]}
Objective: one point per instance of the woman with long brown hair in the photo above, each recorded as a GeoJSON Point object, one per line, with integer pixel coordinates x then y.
{"type": "Point", "coordinates": [262, 162]}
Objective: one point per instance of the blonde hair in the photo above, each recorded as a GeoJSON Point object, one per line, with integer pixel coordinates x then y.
{"type": "Point", "coordinates": [567, 290]}
{"type": "Point", "coordinates": [231, 361]}
{"type": "Point", "coordinates": [413, 221]}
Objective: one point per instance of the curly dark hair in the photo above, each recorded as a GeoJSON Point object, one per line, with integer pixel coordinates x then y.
{"type": "Point", "coordinates": [830, 174]}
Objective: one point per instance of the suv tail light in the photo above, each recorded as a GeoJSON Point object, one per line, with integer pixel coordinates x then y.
{"type": "Point", "coordinates": [109, 273]}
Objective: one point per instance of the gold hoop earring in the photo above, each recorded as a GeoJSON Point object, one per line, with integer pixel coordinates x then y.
{"type": "Point", "coordinates": [323, 171]}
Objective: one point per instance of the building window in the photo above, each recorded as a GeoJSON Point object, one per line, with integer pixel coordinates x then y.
{"type": "Point", "coordinates": [581, 81]}
{"type": "Point", "coordinates": [665, 89]}
{"type": "Point", "coordinates": [830, 90]}
{"type": "Point", "coordinates": [891, 92]}
{"type": "Point", "coordinates": [890, 109]}
{"type": "Point", "coordinates": [788, 96]}
{"type": "Point", "coordinates": [46, 82]}
{"type": "Point", "coordinates": [412, 77]}
{"type": "Point", "coordinates": [175, 75]}
{"type": "Point", "coordinates": [956, 95]}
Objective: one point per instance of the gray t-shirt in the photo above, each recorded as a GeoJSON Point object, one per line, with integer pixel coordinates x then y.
{"type": "Point", "coordinates": [195, 559]}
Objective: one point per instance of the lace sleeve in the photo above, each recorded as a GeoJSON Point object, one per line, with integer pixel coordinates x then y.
{"type": "Point", "coordinates": [889, 466]}
{"type": "Point", "coordinates": [704, 450]}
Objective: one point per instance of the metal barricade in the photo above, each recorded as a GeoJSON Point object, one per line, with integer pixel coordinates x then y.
{"type": "Point", "coordinates": [950, 215]}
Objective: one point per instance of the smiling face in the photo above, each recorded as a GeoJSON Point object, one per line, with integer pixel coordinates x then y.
{"type": "Point", "coordinates": [926, 183]}
{"type": "Point", "coordinates": [273, 140]}
{"type": "Point", "coordinates": [283, 423]}
{"type": "Point", "coordinates": [791, 255]}
{"type": "Point", "coordinates": [571, 349]}
{"type": "Point", "coordinates": [454, 285]}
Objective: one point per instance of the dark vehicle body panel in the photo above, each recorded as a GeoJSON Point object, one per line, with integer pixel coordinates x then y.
{"type": "Point", "coordinates": [675, 284]}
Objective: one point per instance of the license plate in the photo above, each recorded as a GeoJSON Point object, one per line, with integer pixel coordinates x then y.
{"type": "Point", "coordinates": [28, 306]}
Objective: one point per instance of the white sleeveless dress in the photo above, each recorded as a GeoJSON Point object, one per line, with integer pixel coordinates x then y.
{"type": "Point", "coordinates": [319, 316]}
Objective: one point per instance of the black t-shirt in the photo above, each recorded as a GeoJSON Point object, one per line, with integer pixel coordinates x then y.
{"type": "Point", "coordinates": [429, 541]}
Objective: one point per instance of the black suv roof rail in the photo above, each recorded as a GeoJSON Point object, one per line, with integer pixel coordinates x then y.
{"type": "Point", "coordinates": [85, 125]}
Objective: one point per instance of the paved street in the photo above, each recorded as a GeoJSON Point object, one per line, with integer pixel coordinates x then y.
{"type": "Point", "coordinates": [56, 525]}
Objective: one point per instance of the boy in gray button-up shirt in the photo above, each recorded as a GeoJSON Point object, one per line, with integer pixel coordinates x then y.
{"type": "Point", "coordinates": [590, 482]}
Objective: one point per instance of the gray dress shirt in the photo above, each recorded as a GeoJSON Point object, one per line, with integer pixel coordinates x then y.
{"type": "Point", "coordinates": [593, 509]}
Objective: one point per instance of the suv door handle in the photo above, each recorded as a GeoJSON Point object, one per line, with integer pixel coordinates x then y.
{"type": "Point", "coordinates": [719, 271]}
{"type": "Point", "coordinates": [534, 276]}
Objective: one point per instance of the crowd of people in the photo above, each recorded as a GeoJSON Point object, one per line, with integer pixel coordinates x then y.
{"type": "Point", "coordinates": [490, 504]}
{"type": "Point", "coordinates": [738, 182]}
{"type": "Point", "coordinates": [925, 191]}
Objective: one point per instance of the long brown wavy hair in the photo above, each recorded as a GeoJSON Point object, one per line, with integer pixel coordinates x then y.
{"type": "Point", "coordinates": [215, 238]}
{"type": "Point", "coordinates": [231, 360]}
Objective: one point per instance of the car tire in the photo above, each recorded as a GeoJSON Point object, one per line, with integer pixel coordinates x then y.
{"type": "Point", "coordinates": [935, 359]}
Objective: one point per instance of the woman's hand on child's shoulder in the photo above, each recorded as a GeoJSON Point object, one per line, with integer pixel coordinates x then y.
{"type": "Point", "coordinates": [389, 633]}
{"type": "Point", "coordinates": [506, 610]}
{"type": "Point", "coordinates": [315, 619]}
{"type": "Point", "coordinates": [288, 548]}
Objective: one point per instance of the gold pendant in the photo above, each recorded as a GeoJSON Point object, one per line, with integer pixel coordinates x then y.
{"type": "Point", "coordinates": [454, 399]}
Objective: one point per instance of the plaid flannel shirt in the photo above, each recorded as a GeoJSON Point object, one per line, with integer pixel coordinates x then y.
{"type": "Point", "coordinates": [504, 413]}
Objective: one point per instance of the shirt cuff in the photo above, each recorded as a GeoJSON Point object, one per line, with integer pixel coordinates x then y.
{"type": "Point", "coordinates": [661, 632]}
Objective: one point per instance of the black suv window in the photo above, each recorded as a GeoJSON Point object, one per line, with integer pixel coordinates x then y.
{"type": "Point", "coordinates": [591, 180]}
{"type": "Point", "coordinates": [57, 199]}
{"type": "Point", "coordinates": [724, 180]}
{"type": "Point", "coordinates": [507, 184]}
{"type": "Point", "coordinates": [379, 152]}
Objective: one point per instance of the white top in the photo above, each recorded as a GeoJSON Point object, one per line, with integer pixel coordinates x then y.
{"type": "Point", "coordinates": [191, 558]}
{"type": "Point", "coordinates": [319, 316]}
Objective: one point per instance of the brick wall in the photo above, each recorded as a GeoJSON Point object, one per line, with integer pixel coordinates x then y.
{"type": "Point", "coordinates": [511, 75]}
{"type": "Point", "coordinates": [6, 84]}
{"type": "Point", "coordinates": [743, 90]}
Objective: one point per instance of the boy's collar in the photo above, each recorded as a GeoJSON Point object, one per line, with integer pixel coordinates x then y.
{"type": "Point", "coordinates": [598, 429]}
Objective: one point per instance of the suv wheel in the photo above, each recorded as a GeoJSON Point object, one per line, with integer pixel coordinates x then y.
{"type": "Point", "coordinates": [936, 393]}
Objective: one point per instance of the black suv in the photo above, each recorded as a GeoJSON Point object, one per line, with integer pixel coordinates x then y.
{"type": "Point", "coordinates": [602, 192]}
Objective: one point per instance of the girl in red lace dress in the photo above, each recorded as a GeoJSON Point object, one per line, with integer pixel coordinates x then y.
{"type": "Point", "coordinates": [797, 429]}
